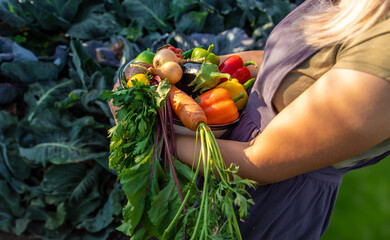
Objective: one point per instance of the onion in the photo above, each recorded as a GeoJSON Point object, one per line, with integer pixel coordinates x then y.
{"type": "Point", "coordinates": [170, 70]}
{"type": "Point", "coordinates": [164, 56]}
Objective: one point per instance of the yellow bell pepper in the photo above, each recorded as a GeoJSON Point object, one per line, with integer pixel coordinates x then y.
{"type": "Point", "coordinates": [235, 88]}
{"type": "Point", "coordinates": [140, 77]}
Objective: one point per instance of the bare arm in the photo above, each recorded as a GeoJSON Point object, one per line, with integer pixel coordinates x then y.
{"type": "Point", "coordinates": [343, 114]}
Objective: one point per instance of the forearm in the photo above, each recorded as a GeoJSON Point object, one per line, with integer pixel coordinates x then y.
{"type": "Point", "coordinates": [330, 122]}
{"type": "Point", "coordinates": [232, 151]}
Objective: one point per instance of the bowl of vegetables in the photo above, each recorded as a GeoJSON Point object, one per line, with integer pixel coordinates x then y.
{"type": "Point", "coordinates": [150, 105]}
{"type": "Point", "coordinates": [220, 97]}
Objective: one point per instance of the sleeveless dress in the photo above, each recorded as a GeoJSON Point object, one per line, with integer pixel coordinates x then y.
{"type": "Point", "coordinates": [299, 207]}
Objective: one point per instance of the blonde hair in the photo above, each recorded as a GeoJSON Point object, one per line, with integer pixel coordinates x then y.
{"type": "Point", "coordinates": [337, 22]}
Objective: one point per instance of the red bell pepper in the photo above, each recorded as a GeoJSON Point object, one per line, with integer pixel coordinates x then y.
{"type": "Point", "coordinates": [235, 66]}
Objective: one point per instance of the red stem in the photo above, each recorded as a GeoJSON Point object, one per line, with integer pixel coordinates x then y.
{"type": "Point", "coordinates": [165, 138]}
{"type": "Point", "coordinates": [168, 103]}
{"type": "Point", "coordinates": [154, 158]}
{"type": "Point", "coordinates": [162, 114]}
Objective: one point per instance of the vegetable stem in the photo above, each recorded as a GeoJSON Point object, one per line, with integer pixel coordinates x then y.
{"type": "Point", "coordinates": [168, 103]}
{"type": "Point", "coordinates": [154, 158]}
{"type": "Point", "coordinates": [176, 218]}
{"type": "Point", "coordinates": [202, 157]}
{"type": "Point", "coordinates": [175, 179]}
{"type": "Point", "coordinates": [249, 83]}
{"type": "Point", "coordinates": [220, 75]}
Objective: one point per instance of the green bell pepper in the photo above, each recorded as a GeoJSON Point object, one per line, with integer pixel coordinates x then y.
{"type": "Point", "coordinates": [207, 55]}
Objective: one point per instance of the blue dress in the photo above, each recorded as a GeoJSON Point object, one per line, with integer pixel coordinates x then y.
{"type": "Point", "coordinates": [299, 207]}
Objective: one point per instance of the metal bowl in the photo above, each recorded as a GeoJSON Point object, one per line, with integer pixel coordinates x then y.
{"type": "Point", "coordinates": [122, 72]}
{"type": "Point", "coordinates": [218, 130]}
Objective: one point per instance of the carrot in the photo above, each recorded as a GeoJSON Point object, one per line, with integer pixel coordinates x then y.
{"type": "Point", "coordinates": [185, 107]}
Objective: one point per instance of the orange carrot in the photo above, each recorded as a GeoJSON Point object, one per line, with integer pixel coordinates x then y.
{"type": "Point", "coordinates": [185, 107]}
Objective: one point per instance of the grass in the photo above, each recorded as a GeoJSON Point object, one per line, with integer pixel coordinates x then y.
{"type": "Point", "coordinates": [362, 210]}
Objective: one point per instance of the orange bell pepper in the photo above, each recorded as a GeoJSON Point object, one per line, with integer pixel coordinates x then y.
{"type": "Point", "coordinates": [218, 106]}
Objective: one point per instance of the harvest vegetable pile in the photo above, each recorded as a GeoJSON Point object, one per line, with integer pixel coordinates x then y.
{"type": "Point", "coordinates": [166, 198]}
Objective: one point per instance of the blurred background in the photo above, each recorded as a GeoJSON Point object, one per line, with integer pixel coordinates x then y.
{"type": "Point", "coordinates": [57, 56]}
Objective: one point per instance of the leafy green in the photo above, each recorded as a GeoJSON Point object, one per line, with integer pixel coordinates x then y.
{"type": "Point", "coordinates": [132, 140]}
{"type": "Point", "coordinates": [8, 93]}
{"type": "Point", "coordinates": [30, 71]}
{"type": "Point", "coordinates": [84, 187]}
{"type": "Point", "coordinates": [150, 14]}
{"type": "Point", "coordinates": [62, 179]}
{"type": "Point", "coordinates": [135, 184]}
{"type": "Point", "coordinates": [207, 77]}
{"type": "Point", "coordinates": [164, 207]}
{"type": "Point", "coordinates": [105, 215]}
{"type": "Point", "coordinates": [9, 13]}
{"type": "Point", "coordinates": [192, 21]}
{"type": "Point", "coordinates": [93, 22]}
{"type": "Point", "coordinates": [10, 199]}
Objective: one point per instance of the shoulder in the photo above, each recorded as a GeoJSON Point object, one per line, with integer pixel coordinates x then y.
{"type": "Point", "coordinates": [380, 31]}
{"type": "Point", "coordinates": [368, 52]}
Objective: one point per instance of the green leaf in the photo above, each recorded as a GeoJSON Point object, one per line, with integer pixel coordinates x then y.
{"type": "Point", "coordinates": [45, 14]}
{"type": "Point", "coordinates": [62, 179]}
{"type": "Point", "coordinates": [9, 200]}
{"type": "Point", "coordinates": [150, 14]}
{"type": "Point", "coordinates": [142, 127]}
{"type": "Point", "coordinates": [8, 93]}
{"type": "Point", "coordinates": [6, 221]}
{"type": "Point", "coordinates": [162, 92]}
{"type": "Point", "coordinates": [7, 124]}
{"type": "Point", "coordinates": [192, 22]}
{"type": "Point", "coordinates": [139, 235]}
{"type": "Point", "coordinates": [106, 215]}
{"type": "Point", "coordinates": [178, 7]}
{"type": "Point", "coordinates": [135, 184]}
{"type": "Point", "coordinates": [207, 77]}
{"type": "Point", "coordinates": [94, 22]}
{"type": "Point", "coordinates": [249, 8]}
{"type": "Point", "coordinates": [183, 170]}
{"type": "Point", "coordinates": [86, 207]}
{"type": "Point", "coordinates": [59, 152]}
{"type": "Point", "coordinates": [56, 219]}
{"type": "Point", "coordinates": [164, 207]}
{"type": "Point", "coordinates": [46, 98]}
{"type": "Point", "coordinates": [21, 225]}
{"type": "Point", "coordinates": [85, 66]}
{"type": "Point", "coordinates": [9, 13]}
{"type": "Point", "coordinates": [278, 9]}
{"type": "Point", "coordinates": [83, 188]}
{"type": "Point", "coordinates": [67, 9]}
{"type": "Point", "coordinates": [14, 167]}
{"type": "Point", "coordinates": [30, 71]}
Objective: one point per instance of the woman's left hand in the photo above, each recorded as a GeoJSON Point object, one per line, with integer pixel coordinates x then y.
{"type": "Point", "coordinates": [114, 108]}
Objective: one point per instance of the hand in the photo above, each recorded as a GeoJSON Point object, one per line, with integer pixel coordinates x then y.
{"type": "Point", "coordinates": [112, 107]}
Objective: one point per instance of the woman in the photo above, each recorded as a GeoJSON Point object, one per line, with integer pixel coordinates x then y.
{"type": "Point", "coordinates": [318, 109]}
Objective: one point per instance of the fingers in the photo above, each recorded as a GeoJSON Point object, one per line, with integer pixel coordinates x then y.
{"type": "Point", "coordinates": [116, 85]}
{"type": "Point", "coordinates": [112, 107]}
